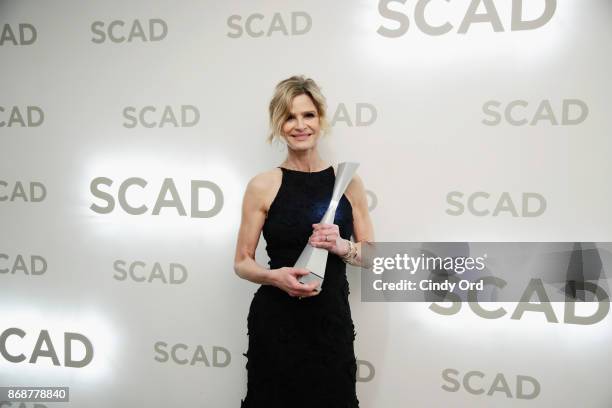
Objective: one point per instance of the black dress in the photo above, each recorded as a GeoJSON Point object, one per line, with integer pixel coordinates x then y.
{"type": "Point", "coordinates": [301, 351]}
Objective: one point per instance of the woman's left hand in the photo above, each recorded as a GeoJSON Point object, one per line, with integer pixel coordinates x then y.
{"type": "Point", "coordinates": [327, 236]}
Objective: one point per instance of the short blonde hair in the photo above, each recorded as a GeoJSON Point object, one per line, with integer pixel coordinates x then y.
{"type": "Point", "coordinates": [280, 105]}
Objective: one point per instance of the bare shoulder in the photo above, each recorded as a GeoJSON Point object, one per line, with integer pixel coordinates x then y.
{"type": "Point", "coordinates": [355, 191]}
{"type": "Point", "coordinates": [263, 187]}
{"type": "Point", "coordinates": [263, 181]}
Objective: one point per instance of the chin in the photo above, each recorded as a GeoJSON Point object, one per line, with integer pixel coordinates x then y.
{"type": "Point", "coordinates": [301, 146]}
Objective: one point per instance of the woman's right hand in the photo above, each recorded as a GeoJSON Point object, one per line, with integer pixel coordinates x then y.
{"type": "Point", "coordinates": [286, 279]}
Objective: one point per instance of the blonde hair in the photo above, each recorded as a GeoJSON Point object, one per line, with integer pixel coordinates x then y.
{"type": "Point", "coordinates": [280, 105]}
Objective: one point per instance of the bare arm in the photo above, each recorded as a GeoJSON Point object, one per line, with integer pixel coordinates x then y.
{"type": "Point", "coordinates": [253, 216]}
{"type": "Point", "coordinates": [363, 230]}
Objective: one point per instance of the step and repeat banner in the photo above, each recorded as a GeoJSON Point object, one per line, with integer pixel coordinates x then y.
{"type": "Point", "coordinates": [129, 130]}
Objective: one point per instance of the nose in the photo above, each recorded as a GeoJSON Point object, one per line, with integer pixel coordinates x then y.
{"type": "Point", "coordinates": [301, 124]}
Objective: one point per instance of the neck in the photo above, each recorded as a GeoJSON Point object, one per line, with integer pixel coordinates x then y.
{"type": "Point", "coordinates": [308, 160]}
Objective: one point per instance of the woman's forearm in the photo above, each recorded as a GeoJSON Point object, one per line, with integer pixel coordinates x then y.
{"type": "Point", "coordinates": [250, 270]}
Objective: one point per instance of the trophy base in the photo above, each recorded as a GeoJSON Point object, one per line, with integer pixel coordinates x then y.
{"type": "Point", "coordinates": [311, 277]}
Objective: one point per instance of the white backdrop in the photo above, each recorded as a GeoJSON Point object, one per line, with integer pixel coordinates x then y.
{"type": "Point", "coordinates": [136, 103]}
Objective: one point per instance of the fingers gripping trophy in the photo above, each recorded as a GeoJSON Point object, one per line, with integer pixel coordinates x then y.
{"type": "Point", "coordinates": [315, 259]}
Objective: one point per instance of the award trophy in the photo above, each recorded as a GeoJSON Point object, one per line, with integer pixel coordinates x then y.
{"type": "Point", "coordinates": [315, 259]}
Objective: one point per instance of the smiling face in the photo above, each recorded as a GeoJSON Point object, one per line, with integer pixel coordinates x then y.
{"type": "Point", "coordinates": [302, 128]}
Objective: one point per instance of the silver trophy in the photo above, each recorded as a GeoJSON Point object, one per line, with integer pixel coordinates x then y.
{"type": "Point", "coordinates": [315, 259]}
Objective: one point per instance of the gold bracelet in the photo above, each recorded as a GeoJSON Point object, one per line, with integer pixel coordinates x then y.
{"type": "Point", "coordinates": [350, 249]}
{"type": "Point", "coordinates": [350, 256]}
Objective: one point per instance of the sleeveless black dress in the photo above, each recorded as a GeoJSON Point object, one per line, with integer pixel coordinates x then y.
{"type": "Point", "coordinates": [300, 351]}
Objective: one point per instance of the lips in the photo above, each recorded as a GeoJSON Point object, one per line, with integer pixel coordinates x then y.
{"type": "Point", "coordinates": [301, 136]}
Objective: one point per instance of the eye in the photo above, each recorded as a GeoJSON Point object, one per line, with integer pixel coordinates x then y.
{"type": "Point", "coordinates": [310, 115]}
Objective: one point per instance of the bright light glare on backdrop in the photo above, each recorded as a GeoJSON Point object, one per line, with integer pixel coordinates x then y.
{"type": "Point", "coordinates": [480, 44]}
{"type": "Point", "coordinates": [154, 170]}
{"type": "Point", "coordinates": [32, 319]}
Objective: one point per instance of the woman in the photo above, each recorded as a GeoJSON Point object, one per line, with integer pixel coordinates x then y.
{"type": "Point", "coordinates": [300, 340]}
